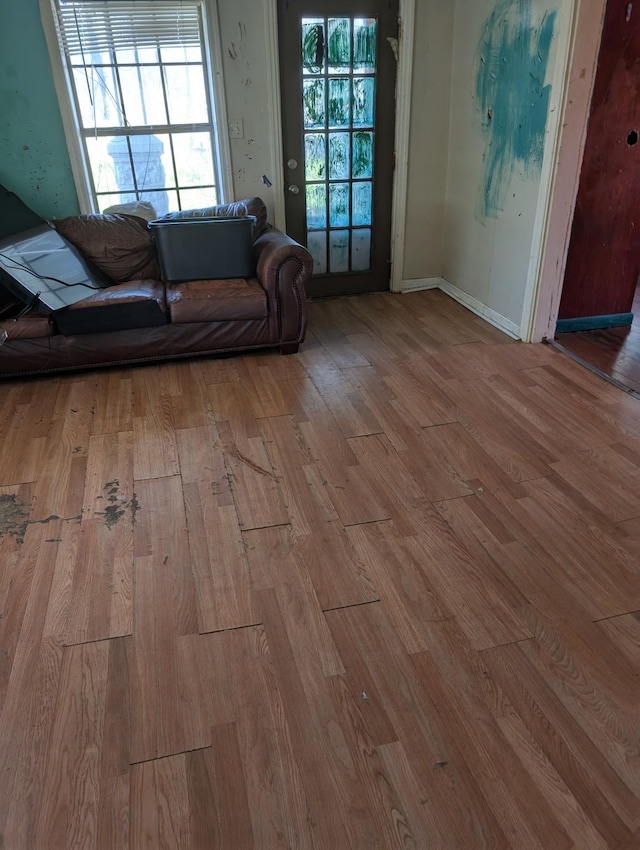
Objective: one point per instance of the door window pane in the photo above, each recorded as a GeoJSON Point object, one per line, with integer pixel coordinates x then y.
{"type": "Point", "coordinates": [361, 250]}
{"type": "Point", "coordinates": [313, 101]}
{"type": "Point", "coordinates": [315, 156]}
{"type": "Point", "coordinates": [363, 101]}
{"type": "Point", "coordinates": [313, 45]}
{"type": "Point", "coordinates": [362, 209]}
{"type": "Point", "coordinates": [339, 47]}
{"type": "Point", "coordinates": [339, 156]}
{"type": "Point", "coordinates": [364, 45]}
{"type": "Point", "coordinates": [317, 245]}
{"type": "Point", "coordinates": [339, 205]}
{"type": "Point", "coordinates": [339, 251]}
{"type": "Point", "coordinates": [339, 102]}
{"type": "Point", "coordinates": [316, 205]}
{"type": "Point", "coordinates": [362, 154]}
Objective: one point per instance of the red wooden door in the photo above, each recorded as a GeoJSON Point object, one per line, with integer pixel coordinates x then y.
{"type": "Point", "coordinates": [604, 253]}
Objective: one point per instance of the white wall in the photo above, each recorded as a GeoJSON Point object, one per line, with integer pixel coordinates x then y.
{"type": "Point", "coordinates": [245, 34]}
{"type": "Point", "coordinates": [489, 234]}
{"type": "Point", "coordinates": [429, 139]}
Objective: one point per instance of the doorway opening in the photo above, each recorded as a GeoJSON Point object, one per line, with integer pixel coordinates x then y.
{"type": "Point", "coordinates": [613, 353]}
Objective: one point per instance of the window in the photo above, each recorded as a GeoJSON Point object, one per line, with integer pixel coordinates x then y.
{"type": "Point", "coordinates": [139, 82]}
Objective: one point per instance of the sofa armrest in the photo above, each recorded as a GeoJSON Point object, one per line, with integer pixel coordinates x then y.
{"type": "Point", "coordinates": [283, 267]}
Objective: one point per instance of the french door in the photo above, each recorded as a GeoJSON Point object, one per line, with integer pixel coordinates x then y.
{"type": "Point", "coordinates": [338, 72]}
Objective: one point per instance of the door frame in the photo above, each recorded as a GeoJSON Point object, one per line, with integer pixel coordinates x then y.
{"type": "Point", "coordinates": [557, 207]}
{"type": "Point", "coordinates": [406, 25]}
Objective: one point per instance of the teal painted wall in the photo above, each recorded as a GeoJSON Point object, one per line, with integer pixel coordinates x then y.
{"type": "Point", "coordinates": [34, 162]}
{"type": "Point", "coordinates": [513, 97]}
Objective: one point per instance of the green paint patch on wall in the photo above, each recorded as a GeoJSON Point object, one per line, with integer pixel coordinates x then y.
{"type": "Point", "coordinates": [512, 97]}
{"type": "Point", "coordinates": [34, 161]}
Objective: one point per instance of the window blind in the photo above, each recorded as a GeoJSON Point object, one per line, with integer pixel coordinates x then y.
{"type": "Point", "coordinates": [95, 26]}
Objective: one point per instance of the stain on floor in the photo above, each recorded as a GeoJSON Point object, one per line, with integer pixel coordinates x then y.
{"type": "Point", "coordinates": [13, 517]}
{"type": "Point", "coordinates": [118, 505]}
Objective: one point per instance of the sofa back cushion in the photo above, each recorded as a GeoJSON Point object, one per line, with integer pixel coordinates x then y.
{"type": "Point", "coordinates": [119, 245]}
{"type": "Point", "coordinates": [250, 206]}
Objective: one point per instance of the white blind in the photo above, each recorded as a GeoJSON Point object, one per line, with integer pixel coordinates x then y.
{"type": "Point", "coordinates": [94, 26]}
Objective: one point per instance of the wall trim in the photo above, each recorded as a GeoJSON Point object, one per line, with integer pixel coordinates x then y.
{"type": "Point", "coordinates": [404, 82]}
{"type": "Point", "coordinates": [218, 103]}
{"type": "Point", "coordinates": [420, 284]}
{"type": "Point", "coordinates": [557, 107]}
{"type": "Point", "coordinates": [592, 323]}
{"type": "Point", "coordinates": [494, 318]}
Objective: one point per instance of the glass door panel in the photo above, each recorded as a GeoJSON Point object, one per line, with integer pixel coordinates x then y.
{"type": "Point", "coordinates": [338, 103]}
{"type": "Point", "coordinates": [338, 71]}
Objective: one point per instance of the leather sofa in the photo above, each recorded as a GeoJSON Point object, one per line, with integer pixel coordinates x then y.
{"type": "Point", "coordinates": [141, 318]}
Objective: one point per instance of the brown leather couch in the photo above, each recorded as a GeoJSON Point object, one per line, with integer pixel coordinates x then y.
{"type": "Point", "coordinates": [141, 318]}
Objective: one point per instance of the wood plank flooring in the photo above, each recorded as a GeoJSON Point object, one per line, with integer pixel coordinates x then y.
{"type": "Point", "coordinates": [384, 593]}
{"type": "Point", "coordinates": [613, 351]}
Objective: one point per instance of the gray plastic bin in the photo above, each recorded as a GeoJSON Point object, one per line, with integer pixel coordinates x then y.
{"type": "Point", "coordinates": [205, 248]}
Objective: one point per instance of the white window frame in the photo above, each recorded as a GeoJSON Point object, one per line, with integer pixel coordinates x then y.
{"type": "Point", "coordinates": [73, 128]}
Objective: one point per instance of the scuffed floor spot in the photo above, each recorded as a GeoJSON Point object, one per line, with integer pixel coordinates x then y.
{"type": "Point", "coordinates": [13, 518]}
{"type": "Point", "coordinates": [119, 507]}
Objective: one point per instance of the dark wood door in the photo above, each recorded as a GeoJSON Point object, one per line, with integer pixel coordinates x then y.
{"type": "Point", "coordinates": [604, 253]}
{"type": "Point", "coordinates": [338, 72]}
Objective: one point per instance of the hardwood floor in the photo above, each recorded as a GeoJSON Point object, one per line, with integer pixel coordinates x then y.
{"type": "Point", "coordinates": [615, 352]}
{"type": "Point", "coordinates": [382, 593]}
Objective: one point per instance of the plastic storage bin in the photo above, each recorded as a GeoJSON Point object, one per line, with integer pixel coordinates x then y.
{"type": "Point", "coordinates": [205, 248]}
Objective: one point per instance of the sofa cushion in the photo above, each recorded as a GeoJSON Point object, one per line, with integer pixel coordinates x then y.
{"type": "Point", "coordinates": [216, 300]}
{"type": "Point", "coordinates": [250, 206]}
{"type": "Point", "coordinates": [124, 306]}
{"type": "Point", "coordinates": [119, 245]}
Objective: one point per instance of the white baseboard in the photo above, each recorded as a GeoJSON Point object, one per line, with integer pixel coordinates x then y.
{"type": "Point", "coordinates": [468, 301]}
{"type": "Point", "coordinates": [480, 309]}
{"type": "Point", "coordinates": [418, 284]}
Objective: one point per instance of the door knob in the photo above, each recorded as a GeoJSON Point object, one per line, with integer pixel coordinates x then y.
{"type": "Point", "coordinates": [293, 190]}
